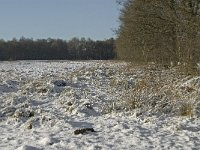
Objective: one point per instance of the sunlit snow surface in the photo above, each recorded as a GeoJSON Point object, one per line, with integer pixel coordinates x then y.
{"type": "Point", "coordinates": [42, 103]}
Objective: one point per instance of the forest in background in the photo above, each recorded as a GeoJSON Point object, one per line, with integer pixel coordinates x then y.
{"type": "Point", "coordinates": [57, 49]}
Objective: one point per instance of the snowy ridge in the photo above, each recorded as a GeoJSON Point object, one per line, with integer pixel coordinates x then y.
{"type": "Point", "coordinates": [42, 103]}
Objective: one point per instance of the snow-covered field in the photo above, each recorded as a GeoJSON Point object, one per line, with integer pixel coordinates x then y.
{"type": "Point", "coordinates": [48, 104]}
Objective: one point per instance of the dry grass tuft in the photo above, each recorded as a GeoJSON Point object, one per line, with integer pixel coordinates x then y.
{"type": "Point", "coordinates": [187, 109]}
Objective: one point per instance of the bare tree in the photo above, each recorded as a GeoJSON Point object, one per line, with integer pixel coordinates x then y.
{"type": "Point", "coordinates": [162, 31]}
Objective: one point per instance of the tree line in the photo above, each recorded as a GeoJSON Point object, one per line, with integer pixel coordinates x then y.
{"type": "Point", "coordinates": [57, 49]}
{"type": "Point", "coordinates": [162, 31]}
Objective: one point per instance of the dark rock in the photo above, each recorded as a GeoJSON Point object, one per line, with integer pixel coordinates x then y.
{"type": "Point", "coordinates": [84, 131]}
{"type": "Point", "coordinates": [60, 83]}
{"type": "Point", "coordinates": [69, 103]}
{"type": "Point", "coordinates": [31, 114]}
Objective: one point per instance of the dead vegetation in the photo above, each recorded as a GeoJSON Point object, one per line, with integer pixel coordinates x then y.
{"type": "Point", "coordinates": [159, 91]}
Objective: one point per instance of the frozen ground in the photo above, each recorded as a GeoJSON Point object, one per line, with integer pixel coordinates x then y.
{"type": "Point", "coordinates": [42, 103]}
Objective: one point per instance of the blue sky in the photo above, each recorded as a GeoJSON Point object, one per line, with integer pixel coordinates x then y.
{"type": "Point", "coordinates": [58, 19]}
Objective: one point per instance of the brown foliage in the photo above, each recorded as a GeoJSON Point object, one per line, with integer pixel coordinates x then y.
{"type": "Point", "coordinates": [161, 31]}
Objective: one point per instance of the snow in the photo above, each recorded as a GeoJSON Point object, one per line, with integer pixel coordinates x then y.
{"type": "Point", "coordinates": [42, 103]}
